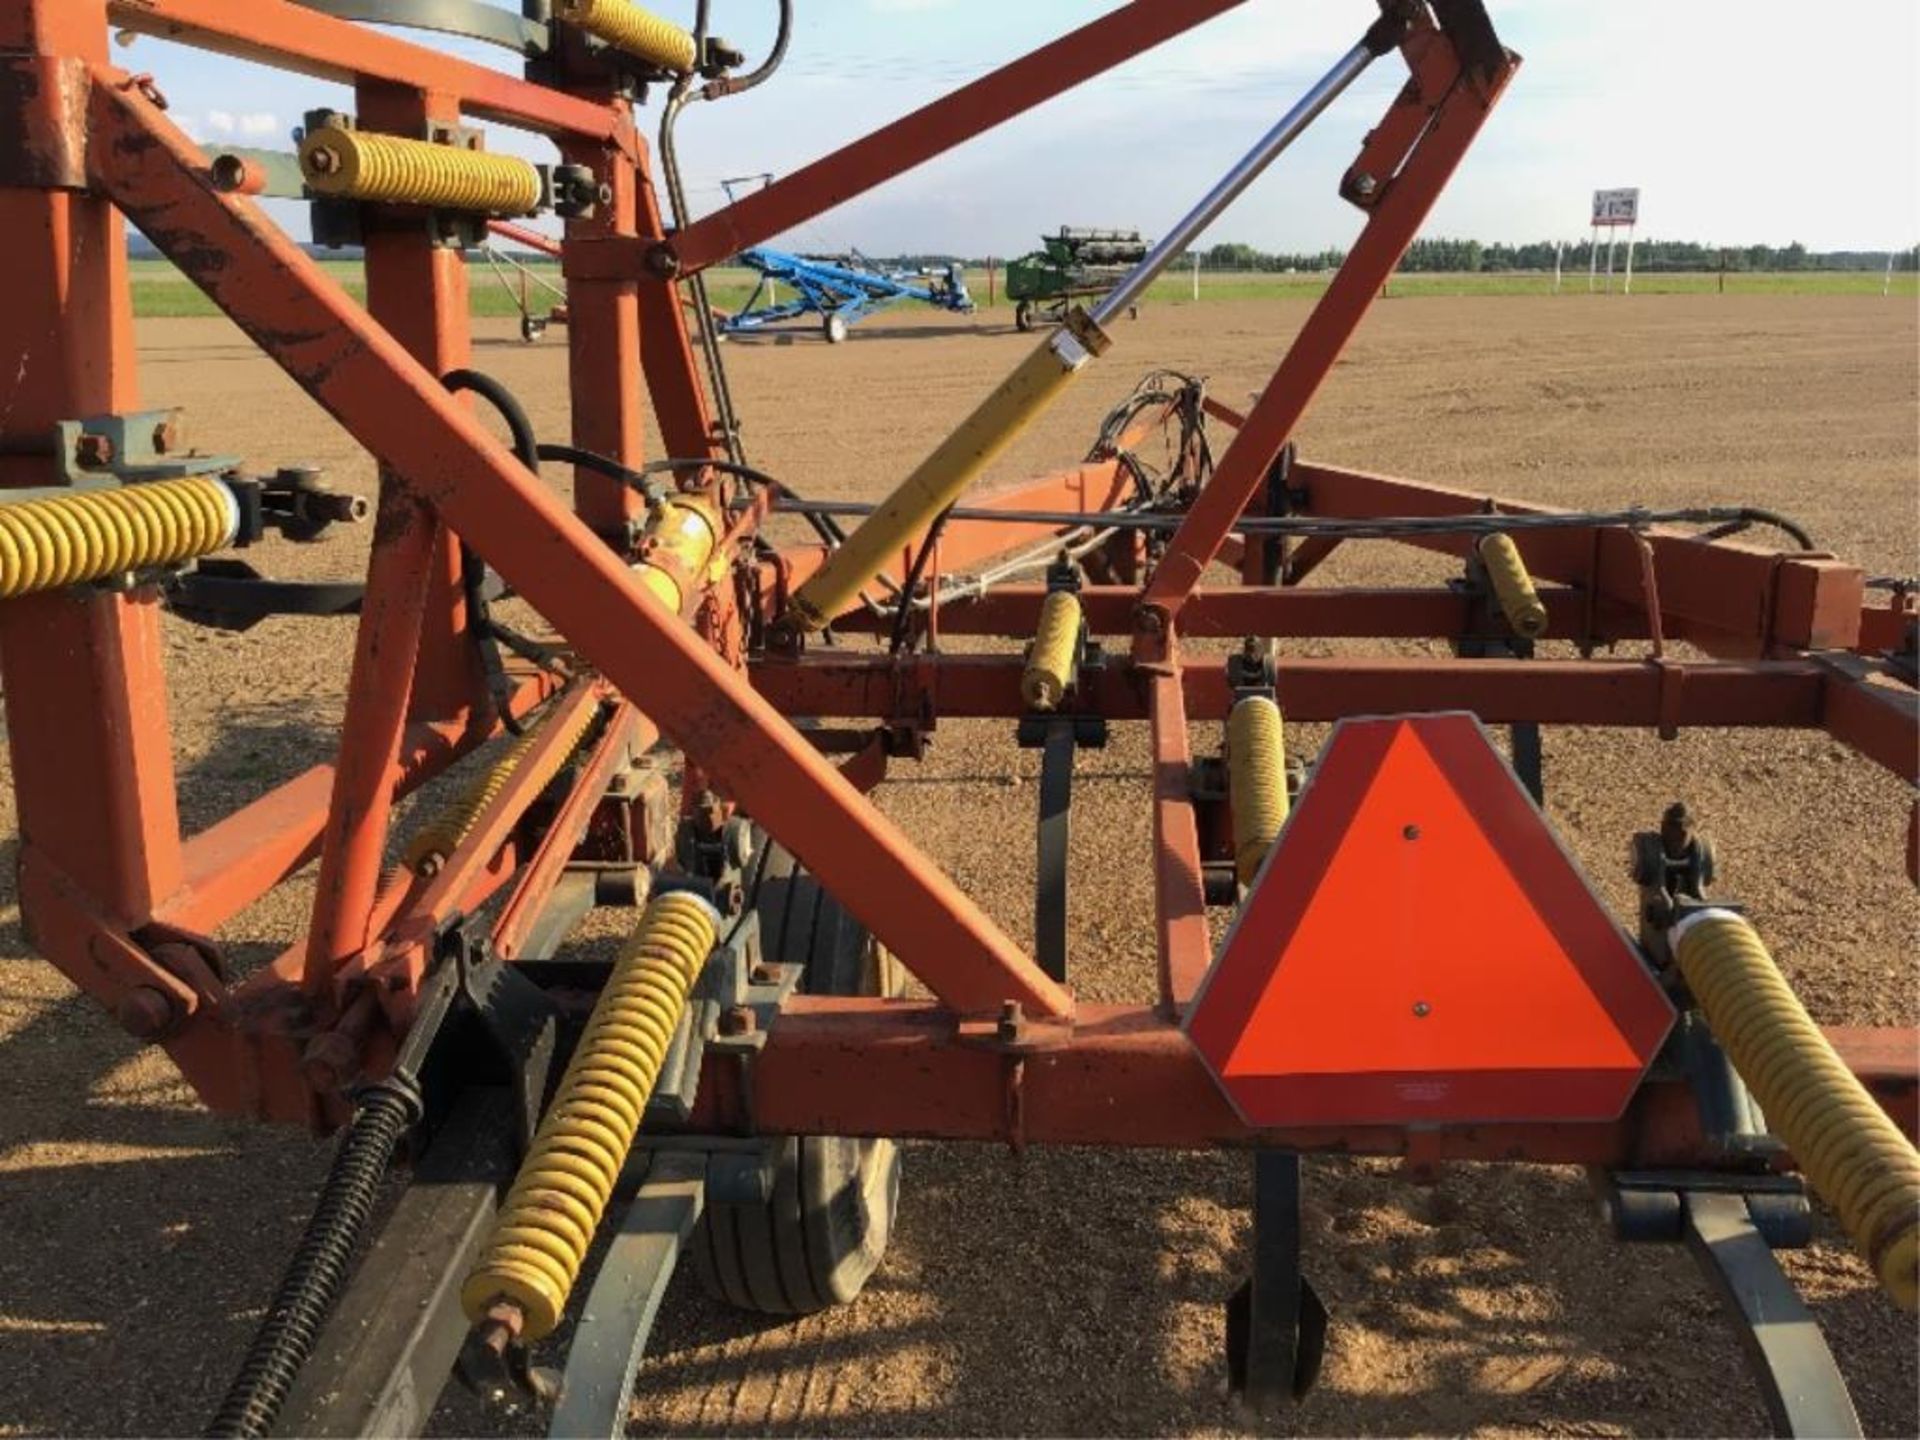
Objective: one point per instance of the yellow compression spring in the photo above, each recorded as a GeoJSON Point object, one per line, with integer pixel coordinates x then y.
{"type": "Point", "coordinates": [548, 1221]}
{"type": "Point", "coordinates": [91, 534]}
{"type": "Point", "coordinates": [360, 165]}
{"type": "Point", "coordinates": [1851, 1152]}
{"type": "Point", "coordinates": [442, 835]}
{"type": "Point", "coordinates": [1052, 660]}
{"type": "Point", "coordinates": [1034, 385]}
{"type": "Point", "coordinates": [1512, 586]}
{"type": "Point", "coordinates": [1257, 780]}
{"type": "Point", "coordinates": [640, 33]}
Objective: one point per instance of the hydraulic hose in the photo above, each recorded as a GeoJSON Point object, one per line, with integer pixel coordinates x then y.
{"type": "Point", "coordinates": [313, 1279]}
{"type": "Point", "coordinates": [547, 1223]}
{"type": "Point", "coordinates": [1855, 1157]}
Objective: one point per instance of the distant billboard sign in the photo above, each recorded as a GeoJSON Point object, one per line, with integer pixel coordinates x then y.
{"type": "Point", "coordinates": [1616, 207]}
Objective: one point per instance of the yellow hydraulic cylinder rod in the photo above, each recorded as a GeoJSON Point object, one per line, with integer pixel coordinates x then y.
{"type": "Point", "coordinates": [637, 32]}
{"type": "Point", "coordinates": [1055, 655]}
{"type": "Point", "coordinates": [1256, 781]}
{"type": "Point", "coordinates": [1512, 586]}
{"type": "Point", "coordinates": [1855, 1157]}
{"type": "Point", "coordinates": [62, 540]}
{"type": "Point", "coordinates": [1043, 375]}
{"type": "Point", "coordinates": [548, 1220]}
{"type": "Point", "coordinates": [390, 169]}
{"type": "Point", "coordinates": [943, 475]}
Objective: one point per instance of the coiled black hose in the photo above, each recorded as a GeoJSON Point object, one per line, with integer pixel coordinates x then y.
{"type": "Point", "coordinates": [314, 1277]}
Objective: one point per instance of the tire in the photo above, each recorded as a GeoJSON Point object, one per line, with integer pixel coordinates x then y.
{"type": "Point", "coordinates": [825, 1228]}
{"type": "Point", "coordinates": [1023, 316]}
{"type": "Point", "coordinates": [835, 327]}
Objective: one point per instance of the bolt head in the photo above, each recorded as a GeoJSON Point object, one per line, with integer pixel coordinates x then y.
{"type": "Point", "coordinates": [144, 1012]}
{"type": "Point", "coordinates": [1364, 184]}
{"type": "Point", "coordinates": [738, 1020]}
{"type": "Point", "coordinates": [1410, 832]}
{"type": "Point", "coordinates": [93, 450]}
{"type": "Point", "coordinates": [1421, 1009]}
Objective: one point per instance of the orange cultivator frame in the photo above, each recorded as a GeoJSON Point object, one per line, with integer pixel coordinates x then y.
{"type": "Point", "coordinates": [999, 1048]}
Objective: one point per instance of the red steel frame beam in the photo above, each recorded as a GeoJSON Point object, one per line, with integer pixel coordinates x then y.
{"type": "Point", "coordinates": [1129, 1078]}
{"type": "Point", "coordinates": [1459, 106]}
{"type": "Point", "coordinates": [1281, 612]}
{"type": "Point", "coordinates": [1780, 694]}
{"type": "Point", "coordinates": [82, 673]}
{"type": "Point", "coordinates": [914, 139]}
{"type": "Point", "coordinates": [1179, 888]}
{"type": "Point", "coordinates": [1732, 598]}
{"type": "Point", "coordinates": [291, 37]}
{"type": "Point", "coordinates": [391, 405]}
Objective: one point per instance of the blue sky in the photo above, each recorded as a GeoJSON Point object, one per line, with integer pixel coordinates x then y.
{"type": "Point", "coordinates": [1741, 124]}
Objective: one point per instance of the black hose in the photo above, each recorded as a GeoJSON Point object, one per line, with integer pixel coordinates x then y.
{"type": "Point", "coordinates": [314, 1278]}
{"type": "Point", "coordinates": [525, 444]}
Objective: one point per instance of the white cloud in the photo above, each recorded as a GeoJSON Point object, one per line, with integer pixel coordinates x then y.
{"type": "Point", "coordinates": [257, 123]}
{"type": "Point", "coordinates": [220, 122]}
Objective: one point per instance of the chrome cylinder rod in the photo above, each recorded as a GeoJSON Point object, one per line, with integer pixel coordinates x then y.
{"type": "Point", "coordinates": [1288, 129]}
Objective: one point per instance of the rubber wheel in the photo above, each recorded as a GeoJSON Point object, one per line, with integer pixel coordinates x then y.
{"type": "Point", "coordinates": [531, 328]}
{"type": "Point", "coordinates": [826, 1226]}
{"type": "Point", "coordinates": [835, 326]}
{"type": "Point", "coordinates": [1023, 316]}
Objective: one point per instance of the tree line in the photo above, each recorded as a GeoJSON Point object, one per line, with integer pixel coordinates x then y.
{"type": "Point", "coordinates": [1456, 256]}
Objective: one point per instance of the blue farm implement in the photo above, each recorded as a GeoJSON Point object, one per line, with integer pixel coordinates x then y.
{"type": "Point", "coordinates": [842, 292]}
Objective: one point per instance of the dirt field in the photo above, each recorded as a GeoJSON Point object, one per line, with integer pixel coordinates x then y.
{"type": "Point", "coordinates": [1074, 1293]}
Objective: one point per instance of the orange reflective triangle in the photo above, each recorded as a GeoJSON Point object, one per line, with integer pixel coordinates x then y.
{"type": "Point", "coordinates": [1420, 951]}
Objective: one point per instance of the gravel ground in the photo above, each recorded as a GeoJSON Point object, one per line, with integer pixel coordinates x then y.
{"type": "Point", "coordinates": [1074, 1292]}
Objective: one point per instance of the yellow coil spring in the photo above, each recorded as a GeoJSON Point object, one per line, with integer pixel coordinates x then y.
{"type": "Point", "coordinates": [442, 835]}
{"type": "Point", "coordinates": [1512, 586]}
{"type": "Point", "coordinates": [358, 165]}
{"type": "Point", "coordinates": [1851, 1152]}
{"type": "Point", "coordinates": [541, 1236]}
{"type": "Point", "coordinates": [640, 33]}
{"type": "Point", "coordinates": [1050, 661]}
{"type": "Point", "coordinates": [90, 534]}
{"type": "Point", "coordinates": [1257, 780]}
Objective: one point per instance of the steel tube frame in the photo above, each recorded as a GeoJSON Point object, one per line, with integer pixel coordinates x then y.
{"type": "Point", "coordinates": [387, 401]}
{"type": "Point", "coordinates": [1113, 1075]}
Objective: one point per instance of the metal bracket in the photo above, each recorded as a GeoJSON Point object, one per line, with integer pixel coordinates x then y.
{"type": "Point", "coordinates": [140, 445]}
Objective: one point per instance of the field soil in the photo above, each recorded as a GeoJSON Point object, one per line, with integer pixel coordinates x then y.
{"type": "Point", "coordinates": [1073, 1292]}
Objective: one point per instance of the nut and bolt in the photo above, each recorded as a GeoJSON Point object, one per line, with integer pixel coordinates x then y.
{"type": "Point", "coordinates": [1012, 1022]}
{"type": "Point", "coordinates": [1421, 1009]}
{"type": "Point", "coordinates": [1410, 832]}
{"type": "Point", "coordinates": [1364, 185]}
{"type": "Point", "coordinates": [738, 1020]}
{"type": "Point", "coordinates": [166, 436]}
{"type": "Point", "coordinates": [93, 450]}
{"type": "Point", "coordinates": [144, 1012]}
{"type": "Point", "coordinates": [1676, 830]}
{"type": "Point", "coordinates": [323, 161]}
{"type": "Point", "coordinates": [767, 974]}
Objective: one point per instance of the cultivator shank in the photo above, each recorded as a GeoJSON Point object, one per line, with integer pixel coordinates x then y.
{"type": "Point", "coordinates": [1413, 966]}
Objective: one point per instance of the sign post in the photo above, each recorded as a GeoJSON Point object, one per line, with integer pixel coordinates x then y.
{"type": "Point", "coordinates": [1611, 210]}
